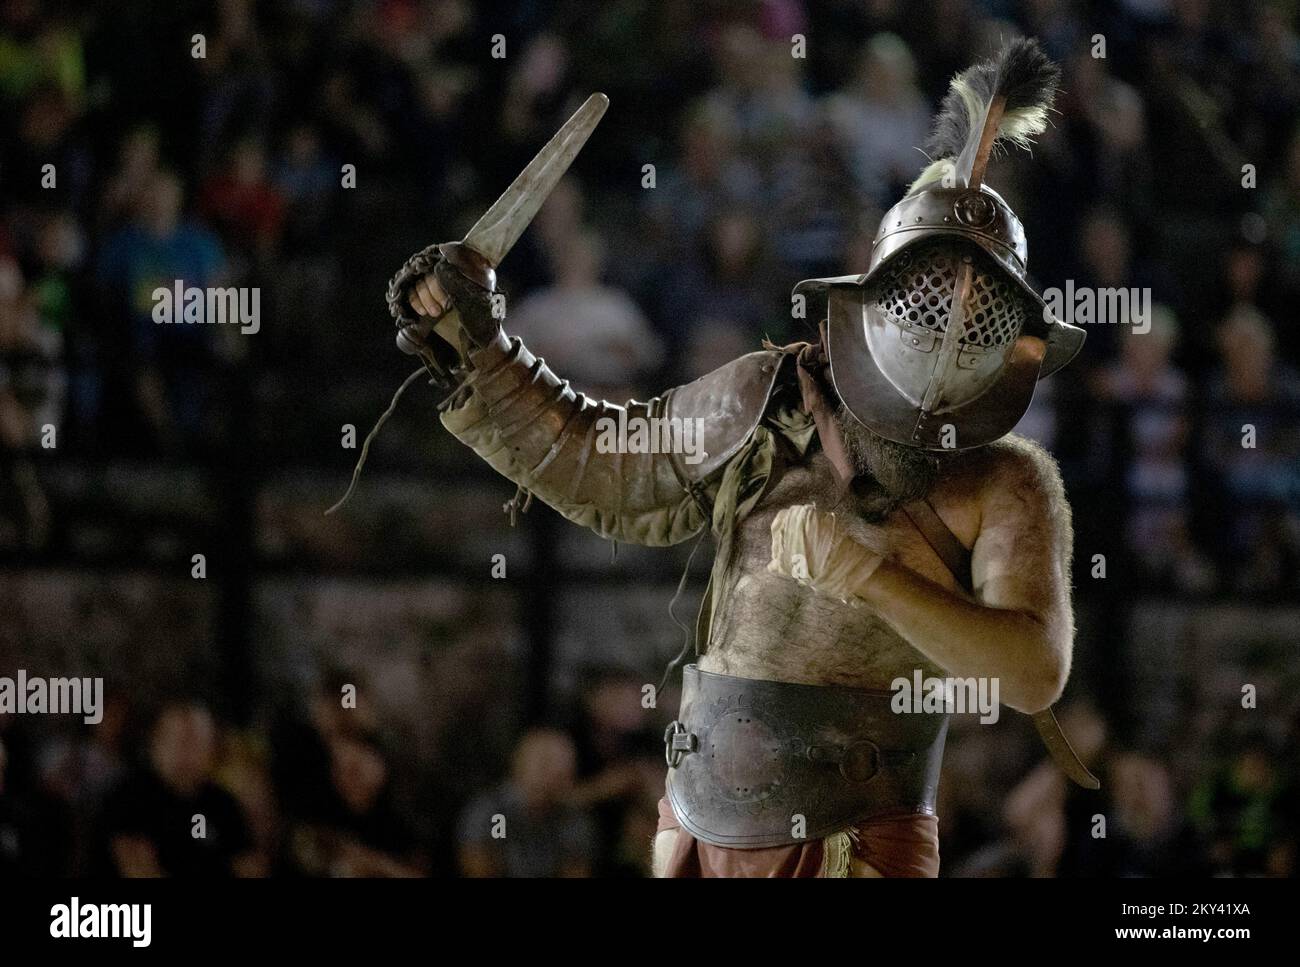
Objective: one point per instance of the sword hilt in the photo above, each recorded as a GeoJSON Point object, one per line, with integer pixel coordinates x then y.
{"type": "Point", "coordinates": [413, 336]}
{"type": "Point", "coordinates": [470, 264]}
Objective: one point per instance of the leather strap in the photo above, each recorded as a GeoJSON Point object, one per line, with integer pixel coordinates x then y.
{"type": "Point", "coordinates": [810, 369]}
{"type": "Point", "coordinates": [942, 541]}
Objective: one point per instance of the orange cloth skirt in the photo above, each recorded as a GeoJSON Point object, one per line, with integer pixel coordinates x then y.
{"type": "Point", "coordinates": [906, 845]}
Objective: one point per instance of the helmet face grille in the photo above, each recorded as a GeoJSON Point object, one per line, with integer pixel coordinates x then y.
{"type": "Point", "coordinates": [916, 290]}
{"type": "Point", "coordinates": [995, 311]}
{"type": "Point", "coordinates": [915, 293]}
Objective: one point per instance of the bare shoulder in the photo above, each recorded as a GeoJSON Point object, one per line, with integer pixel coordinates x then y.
{"type": "Point", "coordinates": [1011, 484]}
{"type": "Point", "coordinates": [1016, 466]}
{"type": "Point", "coordinates": [1021, 488]}
{"type": "Point", "coordinates": [1011, 467]}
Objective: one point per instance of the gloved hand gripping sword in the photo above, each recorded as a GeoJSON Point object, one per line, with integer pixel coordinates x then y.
{"type": "Point", "coordinates": [466, 270]}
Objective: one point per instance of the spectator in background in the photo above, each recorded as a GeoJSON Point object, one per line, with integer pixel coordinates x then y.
{"type": "Point", "coordinates": [164, 366]}
{"type": "Point", "coordinates": [31, 385]}
{"type": "Point", "coordinates": [535, 93]}
{"type": "Point", "coordinates": [1107, 262]}
{"type": "Point", "coordinates": [1057, 829]}
{"type": "Point", "coordinates": [1245, 265]}
{"type": "Point", "coordinates": [1250, 372]}
{"type": "Point", "coordinates": [439, 128]}
{"type": "Point", "coordinates": [1271, 83]}
{"type": "Point", "coordinates": [1035, 816]}
{"type": "Point", "coordinates": [880, 119]}
{"type": "Point", "coordinates": [307, 273]}
{"type": "Point", "coordinates": [242, 203]}
{"type": "Point", "coordinates": [1149, 394]}
{"type": "Point", "coordinates": [760, 93]}
{"type": "Point", "coordinates": [525, 827]}
{"type": "Point", "coordinates": [708, 175]}
{"type": "Point", "coordinates": [1147, 833]}
{"type": "Point", "coordinates": [81, 770]}
{"type": "Point", "coordinates": [1123, 162]}
{"type": "Point", "coordinates": [814, 207]}
{"type": "Point", "coordinates": [1108, 155]}
{"type": "Point", "coordinates": [1244, 282]}
{"type": "Point", "coordinates": [303, 181]}
{"type": "Point", "coordinates": [1253, 443]}
{"type": "Point", "coordinates": [150, 824]}
{"type": "Point", "coordinates": [594, 333]}
{"type": "Point", "coordinates": [239, 84]}
{"type": "Point", "coordinates": [138, 165]}
{"type": "Point", "coordinates": [1246, 808]}
{"type": "Point", "coordinates": [57, 253]}
{"type": "Point", "coordinates": [350, 122]}
{"type": "Point", "coordinates": [358, 832]}
{"type": "Point", "coordinates": [1046, 820]}
{"type": "Point", "coordinates": [47, 150]}
{"type": "Point", "coordinates": [340, 703]}
{"type": "Point", "coordinates": [37, 49]}
{"type": "Point", "coordinates": [718, 305]}
{"type": "Point", "coordinates": [333, 780]}
{"type": "Point", "coordinates": [1282, 212]}
{"type": "Point", "coordinates": [35, 828]}
{"type": "Point", "coordinates": [620, 767]}
{"type": "Point", "coordinates": [243, 770]}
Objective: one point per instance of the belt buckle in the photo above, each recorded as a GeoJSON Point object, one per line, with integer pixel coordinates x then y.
{"type": "Point", "coordinates": [861, 761]}
{"type": "Point", "coordinates": [857, 762]}
{"type": "Point", "coordinates": [678, 743]}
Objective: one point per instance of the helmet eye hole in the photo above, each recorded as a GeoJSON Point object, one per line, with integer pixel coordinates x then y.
{"type": "Point", "coordinates": [915, 293]}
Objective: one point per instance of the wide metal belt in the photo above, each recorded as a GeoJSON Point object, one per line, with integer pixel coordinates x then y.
{"type": "Point", "coordinates": [755, 764]}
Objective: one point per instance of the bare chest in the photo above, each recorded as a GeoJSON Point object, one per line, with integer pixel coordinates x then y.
{"type": "Point", "coordinates": [769, 627]}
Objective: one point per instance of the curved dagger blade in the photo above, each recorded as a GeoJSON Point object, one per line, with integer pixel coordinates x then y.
{"type": "Point", "coordinates": [496, 232]}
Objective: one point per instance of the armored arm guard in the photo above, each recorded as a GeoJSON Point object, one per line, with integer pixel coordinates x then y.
{"type": "Point", "coordinates": [532, 428]}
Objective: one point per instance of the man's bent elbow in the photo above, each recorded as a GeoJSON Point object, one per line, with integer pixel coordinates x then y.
{"type": "Point", "coordinates": [1040, 688]}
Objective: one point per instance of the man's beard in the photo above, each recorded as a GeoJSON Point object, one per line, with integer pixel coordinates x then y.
{"type": "Point", "coordinates": [888, 474]}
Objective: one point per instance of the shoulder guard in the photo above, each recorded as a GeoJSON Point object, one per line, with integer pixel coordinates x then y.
{"type": "Point", "coordinates": [730, 401]}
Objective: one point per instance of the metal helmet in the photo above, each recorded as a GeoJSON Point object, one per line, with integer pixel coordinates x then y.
{"type": "Point", "coordinates": [939, 344]}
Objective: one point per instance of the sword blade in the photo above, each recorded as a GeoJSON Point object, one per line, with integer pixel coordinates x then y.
{"type": "Point", "coordinates": [496, 232]}
{"type": "Point", "coordinates": [1049, 730]}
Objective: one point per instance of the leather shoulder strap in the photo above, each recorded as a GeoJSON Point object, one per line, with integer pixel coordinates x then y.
{"type": "Point", "coordinates": [942, 541]}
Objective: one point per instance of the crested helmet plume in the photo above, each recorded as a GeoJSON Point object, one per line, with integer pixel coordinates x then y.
{"type": "Point", "coordinates": [1003, 100]}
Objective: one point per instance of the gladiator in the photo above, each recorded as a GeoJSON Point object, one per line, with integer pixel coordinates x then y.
{"type": "Point", "coordinates": [874, 518]}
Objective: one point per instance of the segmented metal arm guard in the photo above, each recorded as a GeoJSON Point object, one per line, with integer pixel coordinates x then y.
{"type": "Point", "coordinates": [531, 427]}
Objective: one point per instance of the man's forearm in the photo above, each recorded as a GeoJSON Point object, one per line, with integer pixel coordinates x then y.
{"type": "Point", "coordinates": [969, 639]}
{"type": "Point", "coordinates": [530, 426]}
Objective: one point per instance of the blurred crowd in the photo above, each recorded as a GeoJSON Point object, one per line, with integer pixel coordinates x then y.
{"type": "Point", "coordinates": [306, 147]}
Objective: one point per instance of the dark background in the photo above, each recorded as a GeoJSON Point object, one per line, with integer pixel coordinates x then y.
{"type": "Point", "coordinates": [479, 695]}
